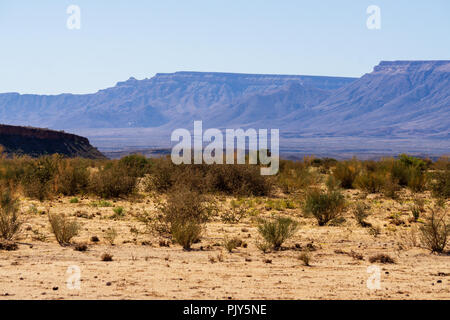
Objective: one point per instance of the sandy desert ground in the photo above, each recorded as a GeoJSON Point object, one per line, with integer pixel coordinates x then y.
{"type": "Point", "coordinates": [143, 269]}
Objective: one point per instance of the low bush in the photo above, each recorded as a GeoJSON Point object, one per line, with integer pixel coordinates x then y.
{"type": "Point", "coordinates": [63, 228]}
{"type": "Point", "coordinates": [346, 172]}
{"type": "Point", "coordinates": [9, 215]}
{"type": "Point", "coordinates": [231, 244]}
{"type": "Point", "coordinates": [370, 182]}
{"type": "Point", "coordinates": [186, 233]}
{"type": "Point", "coordinates": [112, 181]}
{"type": "Point", "coordinates": [440, 184]}
{"type": "Point", "coordinates": [381, 258]}
{"type": "Point", "coordinates": [137, 165]}
{"type": "Point", "coordinates": [71, 177]}
{"type": "Point", "coordinates": [360, 212]}
{"type": "Point", "coordinates": [324, 206]}
{"type": "Point", "coordinates": [277, 231]}
{"type": "Point", "coordinates": [435, 231]}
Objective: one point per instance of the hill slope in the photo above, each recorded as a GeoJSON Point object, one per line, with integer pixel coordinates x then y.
{"type": "Point", "coordinates": [36, 142]}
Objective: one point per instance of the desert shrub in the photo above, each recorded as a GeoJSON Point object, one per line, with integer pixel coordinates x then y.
{"type": "Point", "coordinates": [183, 215]}
{"type": "Point", "coordinates": [9, 215]}
{"type": "Point", "coordinates": [107, 257]}
{"type": "Point", "coordinates": [417, 179]}
{"type": "Point", "coordinates": [390, 188]}
{"type": "Point", "coordinates": [435, 231]}
{"type": "Point", "coordinates": [381, 258]}
{"type": "Point", "coordinates": [243, 180]}
{"type": "Point", "coordinates": [410, 161]}
{"type": "Point", "coordinates": [415, 211]}
{"type": "Point", "coordinates": [440, 184]}
{"type": "Point", "coordinates": [295, 176]}
{"type": "Point", "coordinates": [409, 172]}
{"type": "Point", "coordinates": [112, 181]}
{"type": "Point", "coordinates": [71, 177]}
{"type": "Point", "coordinates": [370, 182]}
{"type": "Point", "coordinates": [346, 172]}
{"type": "Point", "coordinates": [360, 212]}
{"type": "Point", "coordinates": [82, 247]}
{"type": "Point", "coordinates": [324, 206]}
{"type": "Point", "coordinates": [277, 231]}
{"type": "Point", "coordinates": [37, 177]}
{"type": "Point", "coordinates": [324, 164]}
{"type": "Point", "coordinates": [186, 233]}
{"type": "Point", "coordinates": [74, 200]}
{"type": "Point", "coordinates": [305, 257]}
{"type": "Point", "coordinates": [111, 235]}
{"type": "Point", "coordinates": [162, 175]}
{"type": "Point", "coordinates": [231, 244]}
{"type": "Point", "coordinates": [184, 205]}
{"type": "Point", "coordinates": [8, 245]}
{"type": "Point", "coordinates": [118, 213]}
{"type": "Point", "coordinates": [63, 228]}
{"type": "Point", "coordinates": [137, 165]}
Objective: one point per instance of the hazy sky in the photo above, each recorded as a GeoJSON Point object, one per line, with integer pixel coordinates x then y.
{"type": "Point", "coordinates": [119, 39]}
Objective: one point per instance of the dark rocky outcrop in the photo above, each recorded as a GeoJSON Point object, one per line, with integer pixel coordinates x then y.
{"type": "Point", "coordinates": [37, 142]}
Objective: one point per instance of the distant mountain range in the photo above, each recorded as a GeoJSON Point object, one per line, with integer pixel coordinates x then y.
{"type": "Point", "coordinates": [405, 100]}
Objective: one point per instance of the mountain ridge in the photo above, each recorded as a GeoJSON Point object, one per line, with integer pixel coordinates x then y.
{"type": "Point", "coordinates": [401, 99]}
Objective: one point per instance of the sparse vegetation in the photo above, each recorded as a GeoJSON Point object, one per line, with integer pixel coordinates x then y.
{"type": "Point", "coordinates": [231, 244]}
{"type": "Point", "coordinates": [324, 206]}
{"type": "Point", "coordinates": [111, 235]}
{"type": "Point", "coordinates": [277, 231]}
{"type": "Point", "coordinates": [107, 257]}
{"type": "Point", "coordinates": [63, 228]}
{"type": "Point", "coordinates": [381, 258]}
{"type": "Point", "coordinates": [9, 215]}
{"type": "Point", "coordinates": [360, 212]}
{"type": "Point", "coordinates": [435, 231]}
{"type": "Point", "coordinates": [305, 257]}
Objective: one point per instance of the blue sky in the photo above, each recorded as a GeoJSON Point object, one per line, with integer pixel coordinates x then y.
{"type": "Point", "coordinates": [119, 39]}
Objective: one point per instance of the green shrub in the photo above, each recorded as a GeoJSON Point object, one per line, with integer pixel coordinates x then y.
{"type": "Point", "coordinates": [370, 182]}
{"type": "Point", "coordinates": [74, 200]}
{"type": "Point", "coordinates": [186, 233]}
{"type": "Point", "coordinates": [295, 176]}
{"type": "Point", "coordinates": [231, 244]}
{"type": "Point", "coordinates": [112, 181]}
{"type": "Point", "coordinates": [440, 184]}
{"type": "Point", "coordinates": [63, 228]}
{"type": "Point", "coordinates": [9, 215]}
{"type": "Point", "coordinates": [71, 177]}
{"type": "Point", "coordinates": [324, 206]}
{"type": "Point", "coordinates": [277, 231]}
{"type": "Point", "coordinates": [118, 213]}
{"type": "Point", "coordinates": [136, 165]}
{"type": "Point", "coordinates": [346, 172]}
{"type": "Point", "coordinates": [37, 177]}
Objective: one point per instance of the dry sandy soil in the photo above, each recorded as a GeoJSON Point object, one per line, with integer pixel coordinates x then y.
{"type": "Point", "coordinates": [142, 269]}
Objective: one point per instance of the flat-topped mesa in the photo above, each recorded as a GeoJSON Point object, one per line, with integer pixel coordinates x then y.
{"type": "Point", "coordinates": [37, 142]}
{"type": "Point", "coordinates": [404, 66]}
{"type": "Point", "coordinates": [321, 82]}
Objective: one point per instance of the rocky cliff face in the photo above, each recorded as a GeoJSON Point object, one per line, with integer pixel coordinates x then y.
{"type": "Point", "coordinates": [36, 142]}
